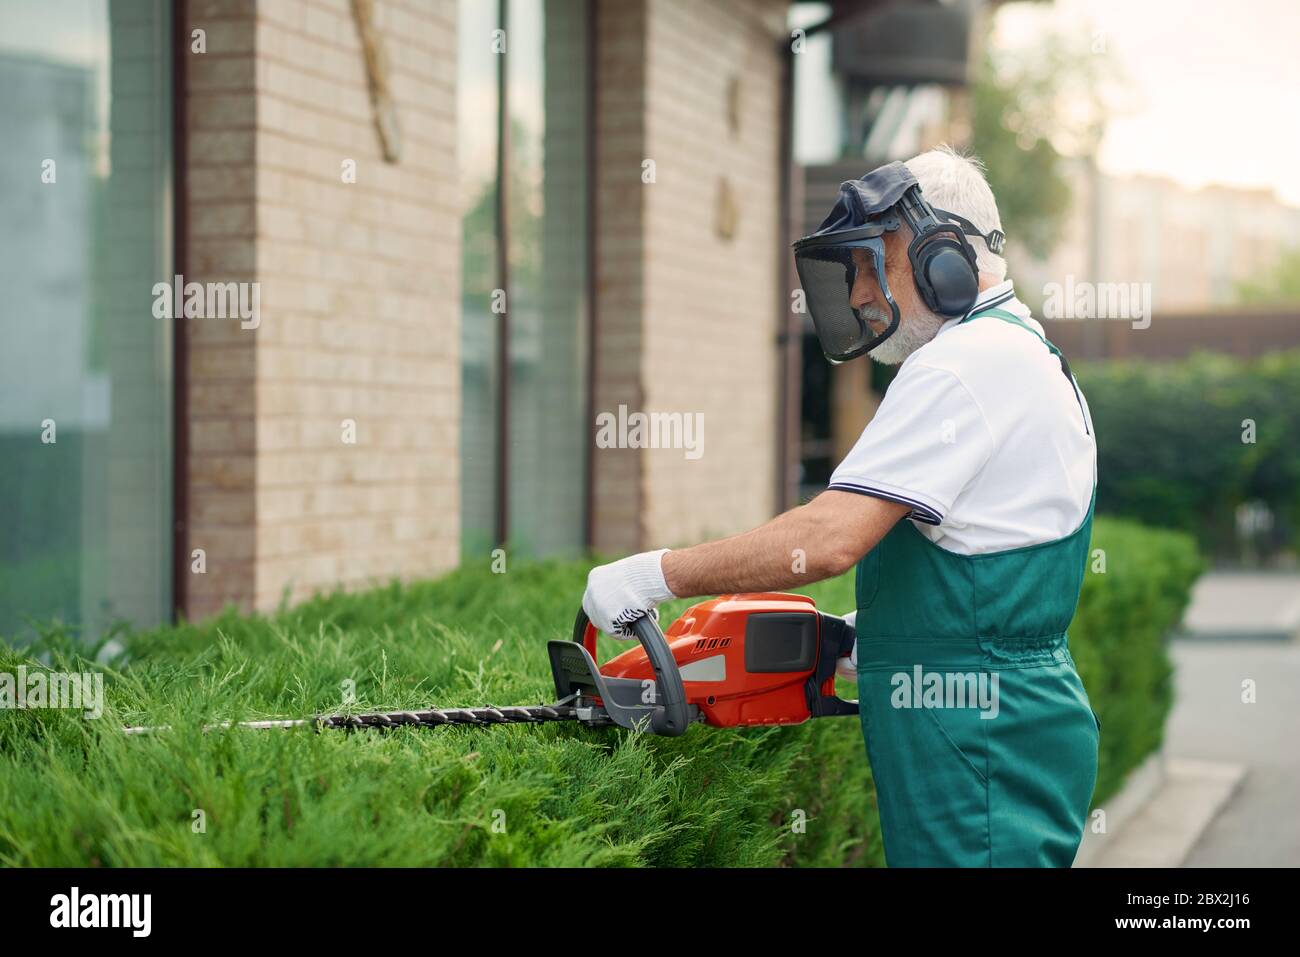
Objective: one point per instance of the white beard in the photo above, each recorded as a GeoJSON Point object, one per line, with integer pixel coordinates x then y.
{"type": "Point", "coordinates": [912, 333]}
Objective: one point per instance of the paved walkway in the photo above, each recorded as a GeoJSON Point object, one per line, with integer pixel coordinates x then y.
{"type": "Point", "coordinates": [1245, 605]}
{"type": "Point", "coordinates": [1227, 790]}
{"type": "Point", "coordinates": [1260, 826]}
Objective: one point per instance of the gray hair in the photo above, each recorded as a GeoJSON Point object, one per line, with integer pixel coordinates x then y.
{"type": "Point", "coordinates": [956, 183]}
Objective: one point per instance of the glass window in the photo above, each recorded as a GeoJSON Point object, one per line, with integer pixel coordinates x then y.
{"type": "Point", "coordinates": [478, 106]}
{"type": "Point", "coordinates": [85, 368]}
{"type": "Point", "coordinates": [547, 248]}
{"type": "Point", "coordinates": [544, 239]}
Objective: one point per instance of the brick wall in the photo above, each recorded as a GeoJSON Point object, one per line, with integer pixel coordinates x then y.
{"type": "Point", "coordinates": [688, 317]}
{"type": "Point", "coordinates": [360, 286]}
{"type": "Point", "coordinates": [220, 130]}
{"type": "Point", "coordinates": [359, 302]}
{"type": "Point", "coordinates": [620, 196]}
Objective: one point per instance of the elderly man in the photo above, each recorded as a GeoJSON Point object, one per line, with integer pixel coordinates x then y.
{"type": "Point", "coordinates": [984, 446]}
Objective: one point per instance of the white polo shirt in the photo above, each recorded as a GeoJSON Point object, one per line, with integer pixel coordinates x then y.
{"type": "Point", "coordinates": [983, 435]}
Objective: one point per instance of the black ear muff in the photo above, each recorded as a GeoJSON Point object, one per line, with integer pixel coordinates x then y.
{"type": "Point", "coordinates": [943, 262]}
{"type": "Point", "coordinates": [951, 282]}
{"type": "Point", "coordinates": [943, 266]}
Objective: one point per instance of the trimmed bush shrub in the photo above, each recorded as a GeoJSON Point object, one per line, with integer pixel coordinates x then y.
{"type": "Point", "coordinates": [1119, 633]}
{"type": "Point", "coordinates": [75, 792]}
{"type": "Point", "coordinates": [1183, 444]}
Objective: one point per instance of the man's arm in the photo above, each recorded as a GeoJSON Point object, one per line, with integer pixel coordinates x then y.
{"type": "Point", "coordinates": [833, 531]}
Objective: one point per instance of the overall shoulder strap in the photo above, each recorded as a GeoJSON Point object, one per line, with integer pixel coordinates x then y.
{"type": "Point", "coordinates": [1017, 321]}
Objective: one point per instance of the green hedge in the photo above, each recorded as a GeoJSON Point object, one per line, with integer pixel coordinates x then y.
{"type": "Point", "coordinates": [77, 792]}
{"type": "Point", "coordinates": [1171, 449]}
{"type": "Point", "coordinates": [1118, 638]}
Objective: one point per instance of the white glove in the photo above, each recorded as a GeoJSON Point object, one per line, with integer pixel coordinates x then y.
{"type": "Point", "coordinates": [621, 592]}
{"type": "Point", "coordinates": [847, 665]}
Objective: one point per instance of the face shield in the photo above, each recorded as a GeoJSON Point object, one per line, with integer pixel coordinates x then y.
{"type": "Point", "coordinates": [829, 269]}
{"type": "Point", "coordinates": [830, 261]}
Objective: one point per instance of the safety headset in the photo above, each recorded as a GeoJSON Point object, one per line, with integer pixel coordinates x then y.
{"type": "Point", "coordinates": [943, 261]}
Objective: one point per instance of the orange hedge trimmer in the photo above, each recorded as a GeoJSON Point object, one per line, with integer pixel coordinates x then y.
{"type": "Point", "coordinates": [733, 661]}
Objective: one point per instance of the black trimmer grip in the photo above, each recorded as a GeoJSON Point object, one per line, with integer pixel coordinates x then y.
{"type": "Point", "coordinates": [671, 716]}
{"type": "Point", "coordinates": [672, 720]}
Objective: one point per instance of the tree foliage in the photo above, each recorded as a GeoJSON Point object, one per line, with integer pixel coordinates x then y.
{"type": "Point", "coordinates": [1031, 109]}
{"type": "Point", "coordinates": [1279, 285]}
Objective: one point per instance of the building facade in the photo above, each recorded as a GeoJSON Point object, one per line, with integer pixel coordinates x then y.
{"type": "Point", "coordinates": [310, 294]}
{"type": "Point", "coordinates": [1195, 248]}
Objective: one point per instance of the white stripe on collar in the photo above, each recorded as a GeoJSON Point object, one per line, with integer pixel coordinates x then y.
{"type": "Point", "coordinates": [1001, 296]}
{"type": "Point", "coordinates": [1002, 292]}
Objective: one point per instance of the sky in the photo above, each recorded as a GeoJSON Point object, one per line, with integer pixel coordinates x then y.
{"type": "Point", "coordinates": [1211, 91]}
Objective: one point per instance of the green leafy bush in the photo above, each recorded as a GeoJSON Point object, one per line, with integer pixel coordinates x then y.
{"type": "Point", "coordinates": [1174, 450]}
{"type": "Point", "coordinates": [76, 792]}
{"type": "Point", "coordinates": [1118, 638]}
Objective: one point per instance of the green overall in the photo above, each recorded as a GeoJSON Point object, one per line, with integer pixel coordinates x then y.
{"type": "Point", "coordinates": [1002, 777]}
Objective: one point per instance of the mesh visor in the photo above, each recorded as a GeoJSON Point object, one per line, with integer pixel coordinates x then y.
{"type": "Point", "coordinates": [827, 273]}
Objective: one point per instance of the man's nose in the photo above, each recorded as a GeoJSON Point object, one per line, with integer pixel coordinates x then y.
{"type": "Point", "coordinates": [861, 294]}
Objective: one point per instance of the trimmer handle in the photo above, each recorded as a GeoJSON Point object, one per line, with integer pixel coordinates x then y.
{"type": "Point", "coordinates": [670, 716]}
{"type": "Point", "coordinates": [838, 637]}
